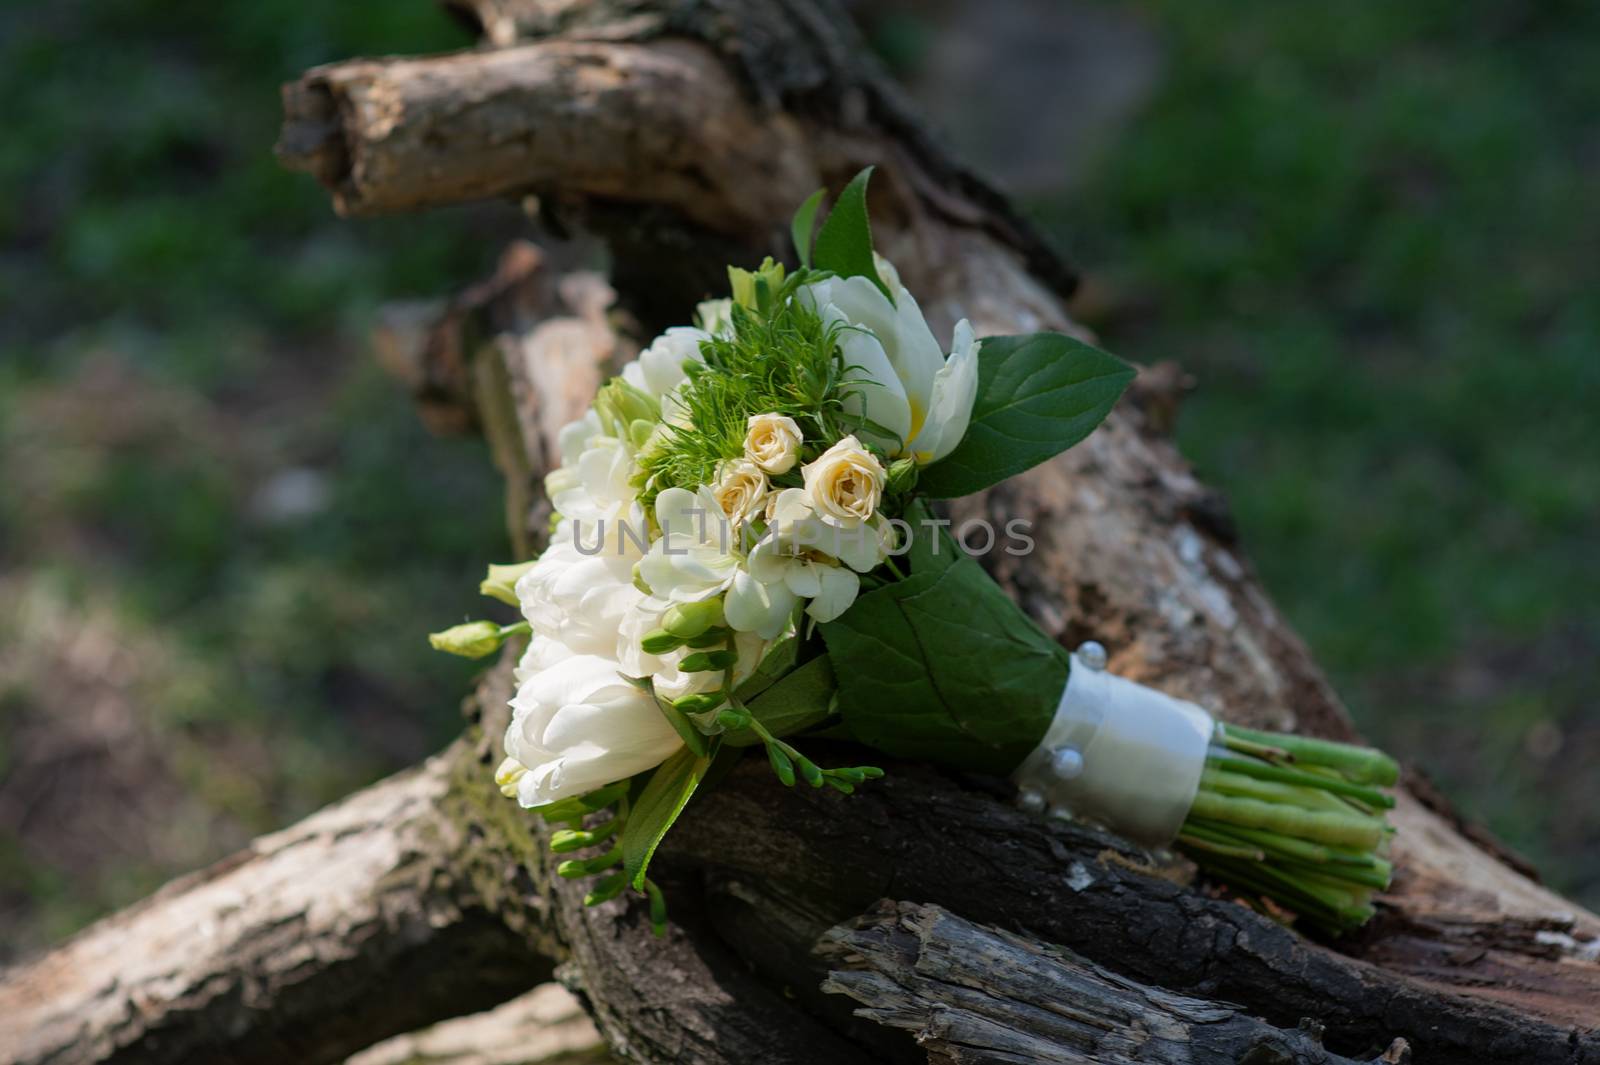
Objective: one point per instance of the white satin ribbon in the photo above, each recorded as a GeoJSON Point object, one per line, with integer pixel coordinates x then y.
{"type": "Point", "coordinates": [1119, 753]}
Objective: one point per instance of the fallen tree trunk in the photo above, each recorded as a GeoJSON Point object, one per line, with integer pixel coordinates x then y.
{"type": "Point", "coordinates": [1470, 960]}
{"type": "Point", "coordinates": [980, 996]}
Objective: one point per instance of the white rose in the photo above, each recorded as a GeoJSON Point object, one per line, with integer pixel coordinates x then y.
{"type": "Point", "coordinates": [580, 589]}
{"type": "Point", "coordinates": [741, 490]}
{"type": "Point", "coordinates": [845, 484]}
{"type": "Point", "coordinates": [773, 442]}
{"type": "Point", "coordinates": [577, 726]}
{"type": "Point", "coordinates": [906, 385]}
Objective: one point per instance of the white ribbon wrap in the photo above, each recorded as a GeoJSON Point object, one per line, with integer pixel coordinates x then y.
{"type": "Point", "coordinates": [1119, 753]}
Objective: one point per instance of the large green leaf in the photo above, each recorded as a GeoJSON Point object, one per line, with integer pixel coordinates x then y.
{"type": "Point", "coordinates": [1037, 396]}
{"type": "Point", "coordinates": [800, 228]}
{"type": "Point", "coordinates": [944, 666]}
{"type": "Point", "coordinates": [844, 243]}
{"type": "Point", "coordinates": [659, 805]}
{"type": "Point", "coordinates": [804, 697]}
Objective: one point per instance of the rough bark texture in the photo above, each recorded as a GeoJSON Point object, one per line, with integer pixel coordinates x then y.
{"type": "Point", "coordinates": [684, 135]}
{"type": "Point", "coordinates": [315, 942]}
{"type": "Point", "coordinates": [981, 996]}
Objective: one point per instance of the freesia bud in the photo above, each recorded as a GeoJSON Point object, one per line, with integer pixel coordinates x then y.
{"type": "Point", "coordinates": [708, 661]}
{"type": "Point", "coordinates": [501, 583]}
{"type": "Point", "coordinates": [733, 720]}
{"type": "Point", "coordinates": [688, 620]}
{"type": "Point", "coordinates": [659, 642]}
{"type": "Point", "coordinates": [475, 639]}
{"type": "Point", "coordinates": [699, 703]}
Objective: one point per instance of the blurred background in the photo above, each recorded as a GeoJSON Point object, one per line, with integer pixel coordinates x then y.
{"type": "Point", "coordinates": [1369, 231]}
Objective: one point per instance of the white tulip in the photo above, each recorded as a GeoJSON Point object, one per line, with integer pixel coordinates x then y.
{"type": "Point", "coordinates": [906, 385]}
{"type": "Point", "coordinates": [955, 389]}
{"type": "Point", "coordinates": [577, 726]}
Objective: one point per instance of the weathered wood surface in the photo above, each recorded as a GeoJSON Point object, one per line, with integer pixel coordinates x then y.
{"type": "Point", "coordinates": [973, 995]}
{"type": "Point", "coordinates": [546, 1026]}
{"type": "Point", "coordinates": [353, 925]}
{"type": "Point", "coordinates": [1470, 961]}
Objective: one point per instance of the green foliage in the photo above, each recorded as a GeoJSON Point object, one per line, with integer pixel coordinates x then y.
{"type": "Point", "coordinates": [944, 666]}
{"type": "Point", "coordinates": [805, 220]}
{"type": "Point", "coordinates": [802, 699]}
{"type": "Point", "coordinates": [1037, 396]}
{"type": "Point", "coordinates": [786, 362]}
{"type": "Point", "coordinates": [184, 326]}
{"type": "Point", "coordinates": [844, 244]}
{"type": "Point", "coordinates": [671, 787]}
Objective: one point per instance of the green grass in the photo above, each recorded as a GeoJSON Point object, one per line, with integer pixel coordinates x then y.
{"type": "Point", "coordinates": [1370, 232]}
{"type": "Point", "coordinates": [182, 327]}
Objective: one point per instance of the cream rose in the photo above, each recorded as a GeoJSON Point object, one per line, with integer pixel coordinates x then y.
{"type": "Point", "coordinates": [773, 442]}
{"type": "Point", "coordinates": [741, 490]}
{"type": "Point", "coordinates": [845, 484]}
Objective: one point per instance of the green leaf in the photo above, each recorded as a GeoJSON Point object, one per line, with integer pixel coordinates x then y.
{"type": "Point", "coordinates": [663, 799]}
{"type": "Point", "coordinates": [691, 736]}
{"type": "Point", "coordinates": [798, 701]}
{"type": "Point", "coordinates": [931, 548]}
{"type": "Point", "coordinates": [1037, 396]}
{"type": "Point", "coordinates": [844, 244]}
{"type": "Point", "coordinates": [943, 666]}
{"type": "Point", "coordinates": [800, 228]}
{"type": "Point", "coordinates": [774, 664]}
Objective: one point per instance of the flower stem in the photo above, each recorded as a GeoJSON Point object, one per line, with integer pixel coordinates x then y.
{"type": "Point", "coordinates": [1361, 765]}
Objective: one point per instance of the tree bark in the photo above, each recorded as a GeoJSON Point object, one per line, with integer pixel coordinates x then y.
{"type": "Point", "coordinates": [981, 996]}
{"type": "Point", "coordinates": [684, 136]}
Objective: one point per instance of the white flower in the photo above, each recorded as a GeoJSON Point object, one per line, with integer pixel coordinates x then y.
{"type": "Point", "coordinates": [698, 556]}
{"type": "Point", "coordinates": [907, 386]}
{"type": "Point", "coordinates": [671, 682]}
{"type": "Point", "coordinates": [715, 316]}
{"type": "Point", "coordinates": [572, 440]}
{"type": "Point", "coordinates": [845, 484]}
{"type": "Point", "coordinates": [795, 553]}
{"type": "Point", "coordinates": [741, 490]}
{"type": "Point", "coordinates": [773, 442]}
{"type": "Point", "coordinates": [577, 726]}
{"type": "Point", "coordinates": [659, 368]}
{"type": "Point", "coordinates": [581, 587]}
{"type": "Point", "coordinates": [542, 653]}
{"type": "Point", "coordinates": [695, 557]}
{"type": "Point", "coordinates": [598, 487]}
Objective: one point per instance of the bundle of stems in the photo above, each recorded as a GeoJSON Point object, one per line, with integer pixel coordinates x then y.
{"type": "Point", "coordinates": [1297, 820]}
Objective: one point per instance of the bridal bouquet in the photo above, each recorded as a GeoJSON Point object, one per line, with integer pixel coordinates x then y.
{"type": "Point", "coordinates": [745, 554]}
